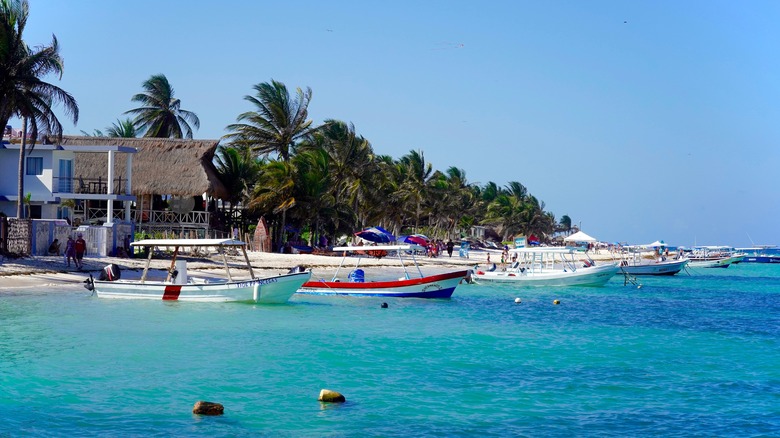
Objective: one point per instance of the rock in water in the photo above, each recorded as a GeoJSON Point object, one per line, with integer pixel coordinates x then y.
{"type": "Point", "coordinates": [328, 396]}
{"type": "Point", "coordinates": [208, 408]}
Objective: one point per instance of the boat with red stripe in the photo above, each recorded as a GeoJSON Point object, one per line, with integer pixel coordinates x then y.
{"type": "Point", "coordinates": [355, 284]}
{"type": "Point", "coordinates": [178, 286]}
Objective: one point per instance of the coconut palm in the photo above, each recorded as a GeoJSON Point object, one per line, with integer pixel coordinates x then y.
{"type": "Point", "coordinates": [122, 128]}
{"type": "Point", "coordinates": [276, 127]}
{"type": "Point", "coordinates": [238, 171]}
{"type": "Point", "coordinates": [414, 186]}
{"type": "Point", "coordinates": [278, 124]}
{"type": "Point", "coordinates": [23, 93]}
{"type": "Point", "coordinates": [565, 224]}
{"type": "Point", "coordinates": [351, 164]}
{"type": "Point", "coordinates": [161, 115]}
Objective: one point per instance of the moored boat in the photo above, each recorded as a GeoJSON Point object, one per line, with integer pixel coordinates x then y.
{"type": "Point", "coordinates": [432, 286]}
{"type": "Point", "coordinates": [761, 254]}
{"type": "Point", "coordinates": [645, 260]}
{"type": "Point", "coordinates": [179, 286]}
{"type": "Point", "coordinates": [713, 257]}
{"type": "Point", "coordinates": [550, 266]}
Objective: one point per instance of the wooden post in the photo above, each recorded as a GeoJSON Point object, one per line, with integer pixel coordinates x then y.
{"type": "Point", "coordinates": [224, 259]}
{"type": "Point", "coordinates": [173, 262]}
{"type": "Point", "coordinates": [248, 265]}
{"type": "Point", "coordinates": [148, 262]}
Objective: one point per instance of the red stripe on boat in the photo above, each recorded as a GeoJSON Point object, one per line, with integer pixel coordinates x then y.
{"type": "Point", "coordinates": [172, 292]}
{"type": "Point", "coordinates": [386, 284]}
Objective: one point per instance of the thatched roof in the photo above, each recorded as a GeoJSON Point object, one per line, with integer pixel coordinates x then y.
{"type": "Point", "coordinates": [162, 166]}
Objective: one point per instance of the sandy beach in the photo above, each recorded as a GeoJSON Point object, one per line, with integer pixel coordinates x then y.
{"type": "Point", "coordinates": [50, 271]}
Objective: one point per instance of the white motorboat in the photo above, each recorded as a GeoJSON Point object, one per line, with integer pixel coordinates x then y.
{"type": "Point", "coordinates": [550, 266]}
{"type": "Point", "coordinates": [178, 286]}
{"type": "Point", "coordinates": [713, 257]}
{"type": "Point", "coordinates": [644, 260]}
{"type": "Point", "coordinates": [409, 286]}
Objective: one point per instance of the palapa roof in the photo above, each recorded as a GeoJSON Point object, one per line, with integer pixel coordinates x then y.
{"type": "Point", "coordinates": [162, 166]}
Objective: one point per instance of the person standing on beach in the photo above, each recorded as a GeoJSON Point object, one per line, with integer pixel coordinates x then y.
{"type": "Point", "coordinates": [450, 247]}
{"type": "Point", "coordinates": [70, 251]}
{"type": "Point", "coordinates": [81, 248]}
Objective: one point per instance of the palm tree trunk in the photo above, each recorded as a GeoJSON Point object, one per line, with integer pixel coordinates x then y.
{"type": "Point", "coordinates": [20, 194]}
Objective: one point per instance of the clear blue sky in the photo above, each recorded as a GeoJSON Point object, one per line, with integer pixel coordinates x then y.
{"type": "Point", "coordinates": [640, 120]}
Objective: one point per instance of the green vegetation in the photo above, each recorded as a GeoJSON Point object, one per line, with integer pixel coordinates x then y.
{"type": "Point", "coordinates": [305, 180]}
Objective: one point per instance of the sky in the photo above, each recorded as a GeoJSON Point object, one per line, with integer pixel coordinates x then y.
{"type": "Point", "coordinates": [641, 121]}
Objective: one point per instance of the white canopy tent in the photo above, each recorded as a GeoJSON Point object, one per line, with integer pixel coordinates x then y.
{"type": "Point", "coordinates": [656, 243]}
{"type": "Point", "coordinates": [579, 236]}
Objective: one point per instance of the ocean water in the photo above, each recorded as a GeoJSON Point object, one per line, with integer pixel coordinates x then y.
{"type": "Point", "coordinates": [689, 355]}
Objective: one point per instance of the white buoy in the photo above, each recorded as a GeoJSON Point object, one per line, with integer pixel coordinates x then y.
{"type": "Point", "coordinates": [517, 300]}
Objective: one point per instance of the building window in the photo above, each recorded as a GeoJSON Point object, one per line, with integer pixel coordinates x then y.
{"type": "Point", "coordinates": [34, 165]}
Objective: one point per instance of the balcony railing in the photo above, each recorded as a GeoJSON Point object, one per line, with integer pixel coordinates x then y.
{"type": "Point", "coordinates": [97, 186]}
{"type": "Point", "coordinates": [192, 218]}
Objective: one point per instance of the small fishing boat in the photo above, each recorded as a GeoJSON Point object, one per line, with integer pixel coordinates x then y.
{"type": "Point", "coordinates": [644, 260]}
{"type": "Point", "coordinates": [549, 266]}
{"type": "Point", "coordinates": [179, 286]}
{"type": "Point", "coordinates": [761, 254]}
{"type": "Point", "coordinates": [432, 286]}
{"type": "Point", "coordinates": [713, 257]}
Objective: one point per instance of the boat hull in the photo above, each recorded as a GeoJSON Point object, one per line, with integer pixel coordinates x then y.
{"type": "Point", "coordinates": [269, 290]}
{"type": "Point", "coordinates": [434, 286]}
{"type": "Point", "coordinates": [591, 276]}
{"type": "Point", "coordinates": [655, 268]}
{"type": "Point", "coordinates": [723, 262]}
{"type": "Point", "coordinates": [762, 259]}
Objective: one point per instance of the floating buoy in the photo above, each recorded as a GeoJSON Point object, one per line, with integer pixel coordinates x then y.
{"type": "Point", "coordinates": [208, 408]}
{"type": "Point", "coordinates": [556, 302]}
{"type": "Point", "coordinates": [517, 300]}
{"type": "Point", "coordinates": [384, 305]}
{"type": "Point", "coordinates": [328, 396]}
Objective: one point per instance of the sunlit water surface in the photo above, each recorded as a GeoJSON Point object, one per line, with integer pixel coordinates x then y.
{"type": "Point", "coordinates": [686, 355]}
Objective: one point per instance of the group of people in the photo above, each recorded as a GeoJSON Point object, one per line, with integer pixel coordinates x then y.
{"type": "Point", "coordinates": [436, 247]}
{"type": "Point", "coordinates": [74, 250]}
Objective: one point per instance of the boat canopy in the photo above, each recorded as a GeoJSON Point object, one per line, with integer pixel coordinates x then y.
{"type": "Point", "coordinates": [379, 248]}
{"type": "Point", "coordinates": [188, 242]}
{"type": "Point", "coordinates": [546, 249]}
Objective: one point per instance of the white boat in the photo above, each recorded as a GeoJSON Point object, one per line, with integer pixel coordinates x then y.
{"type": "Point", "coordinates": [178, 286]}
{"type": "Point", "coordinates": [432, 286]}
{"type": "Point", "coordinates": [761, 254]}
{"type": "Point", "coordinates": [644, 260]}
{"type": "Point", "coordinates": [550, 266]}
{"type": "Point", "coordinates": [713, 257]}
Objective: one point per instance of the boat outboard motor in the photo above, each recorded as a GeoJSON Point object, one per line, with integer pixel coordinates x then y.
{"type": "Point", "coordinates": [89, 284]}
{"type": "Point", "coordinates": [297, 269]}
{"type": "Point", "coordinates": [110, 272]}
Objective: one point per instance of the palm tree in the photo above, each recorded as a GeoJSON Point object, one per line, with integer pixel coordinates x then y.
{"type": "Point", "coordinates": [122, 128]}
{"type": "Point", "coordinates": [351, 165]}
{"type": "Point", "coordinates": [22, 92]}
{"type": "Point", "coordinates": [161, 115]}
{"type": "Point", "coordinates": [277, 125]}
{"type": "Point", "coordinates": [275, 192]}
{"type": "Point", "coordinates": [238, 171]}
{"type": "Point", "coordinates": [414, 187]}
{"type": "Point", "coordinates": [565, 224]}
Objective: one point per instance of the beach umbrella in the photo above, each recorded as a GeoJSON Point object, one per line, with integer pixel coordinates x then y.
{"type": "Point", "coordinates": [376, 235]}
{"type": "Point", "coordinates": [415, 239]}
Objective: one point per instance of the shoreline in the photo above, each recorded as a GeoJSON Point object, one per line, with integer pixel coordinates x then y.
{"type": "Point", "coordinates": [49, 271]}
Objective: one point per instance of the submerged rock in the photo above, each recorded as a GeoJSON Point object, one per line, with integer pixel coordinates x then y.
{"type": "Point", "coordinates": [208, 408]}
{"type": "Point", "coordinates": [328, 396]}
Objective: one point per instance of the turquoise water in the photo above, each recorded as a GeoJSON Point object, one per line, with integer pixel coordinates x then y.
{"type": "Point", "coordinates": [691, 355]}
